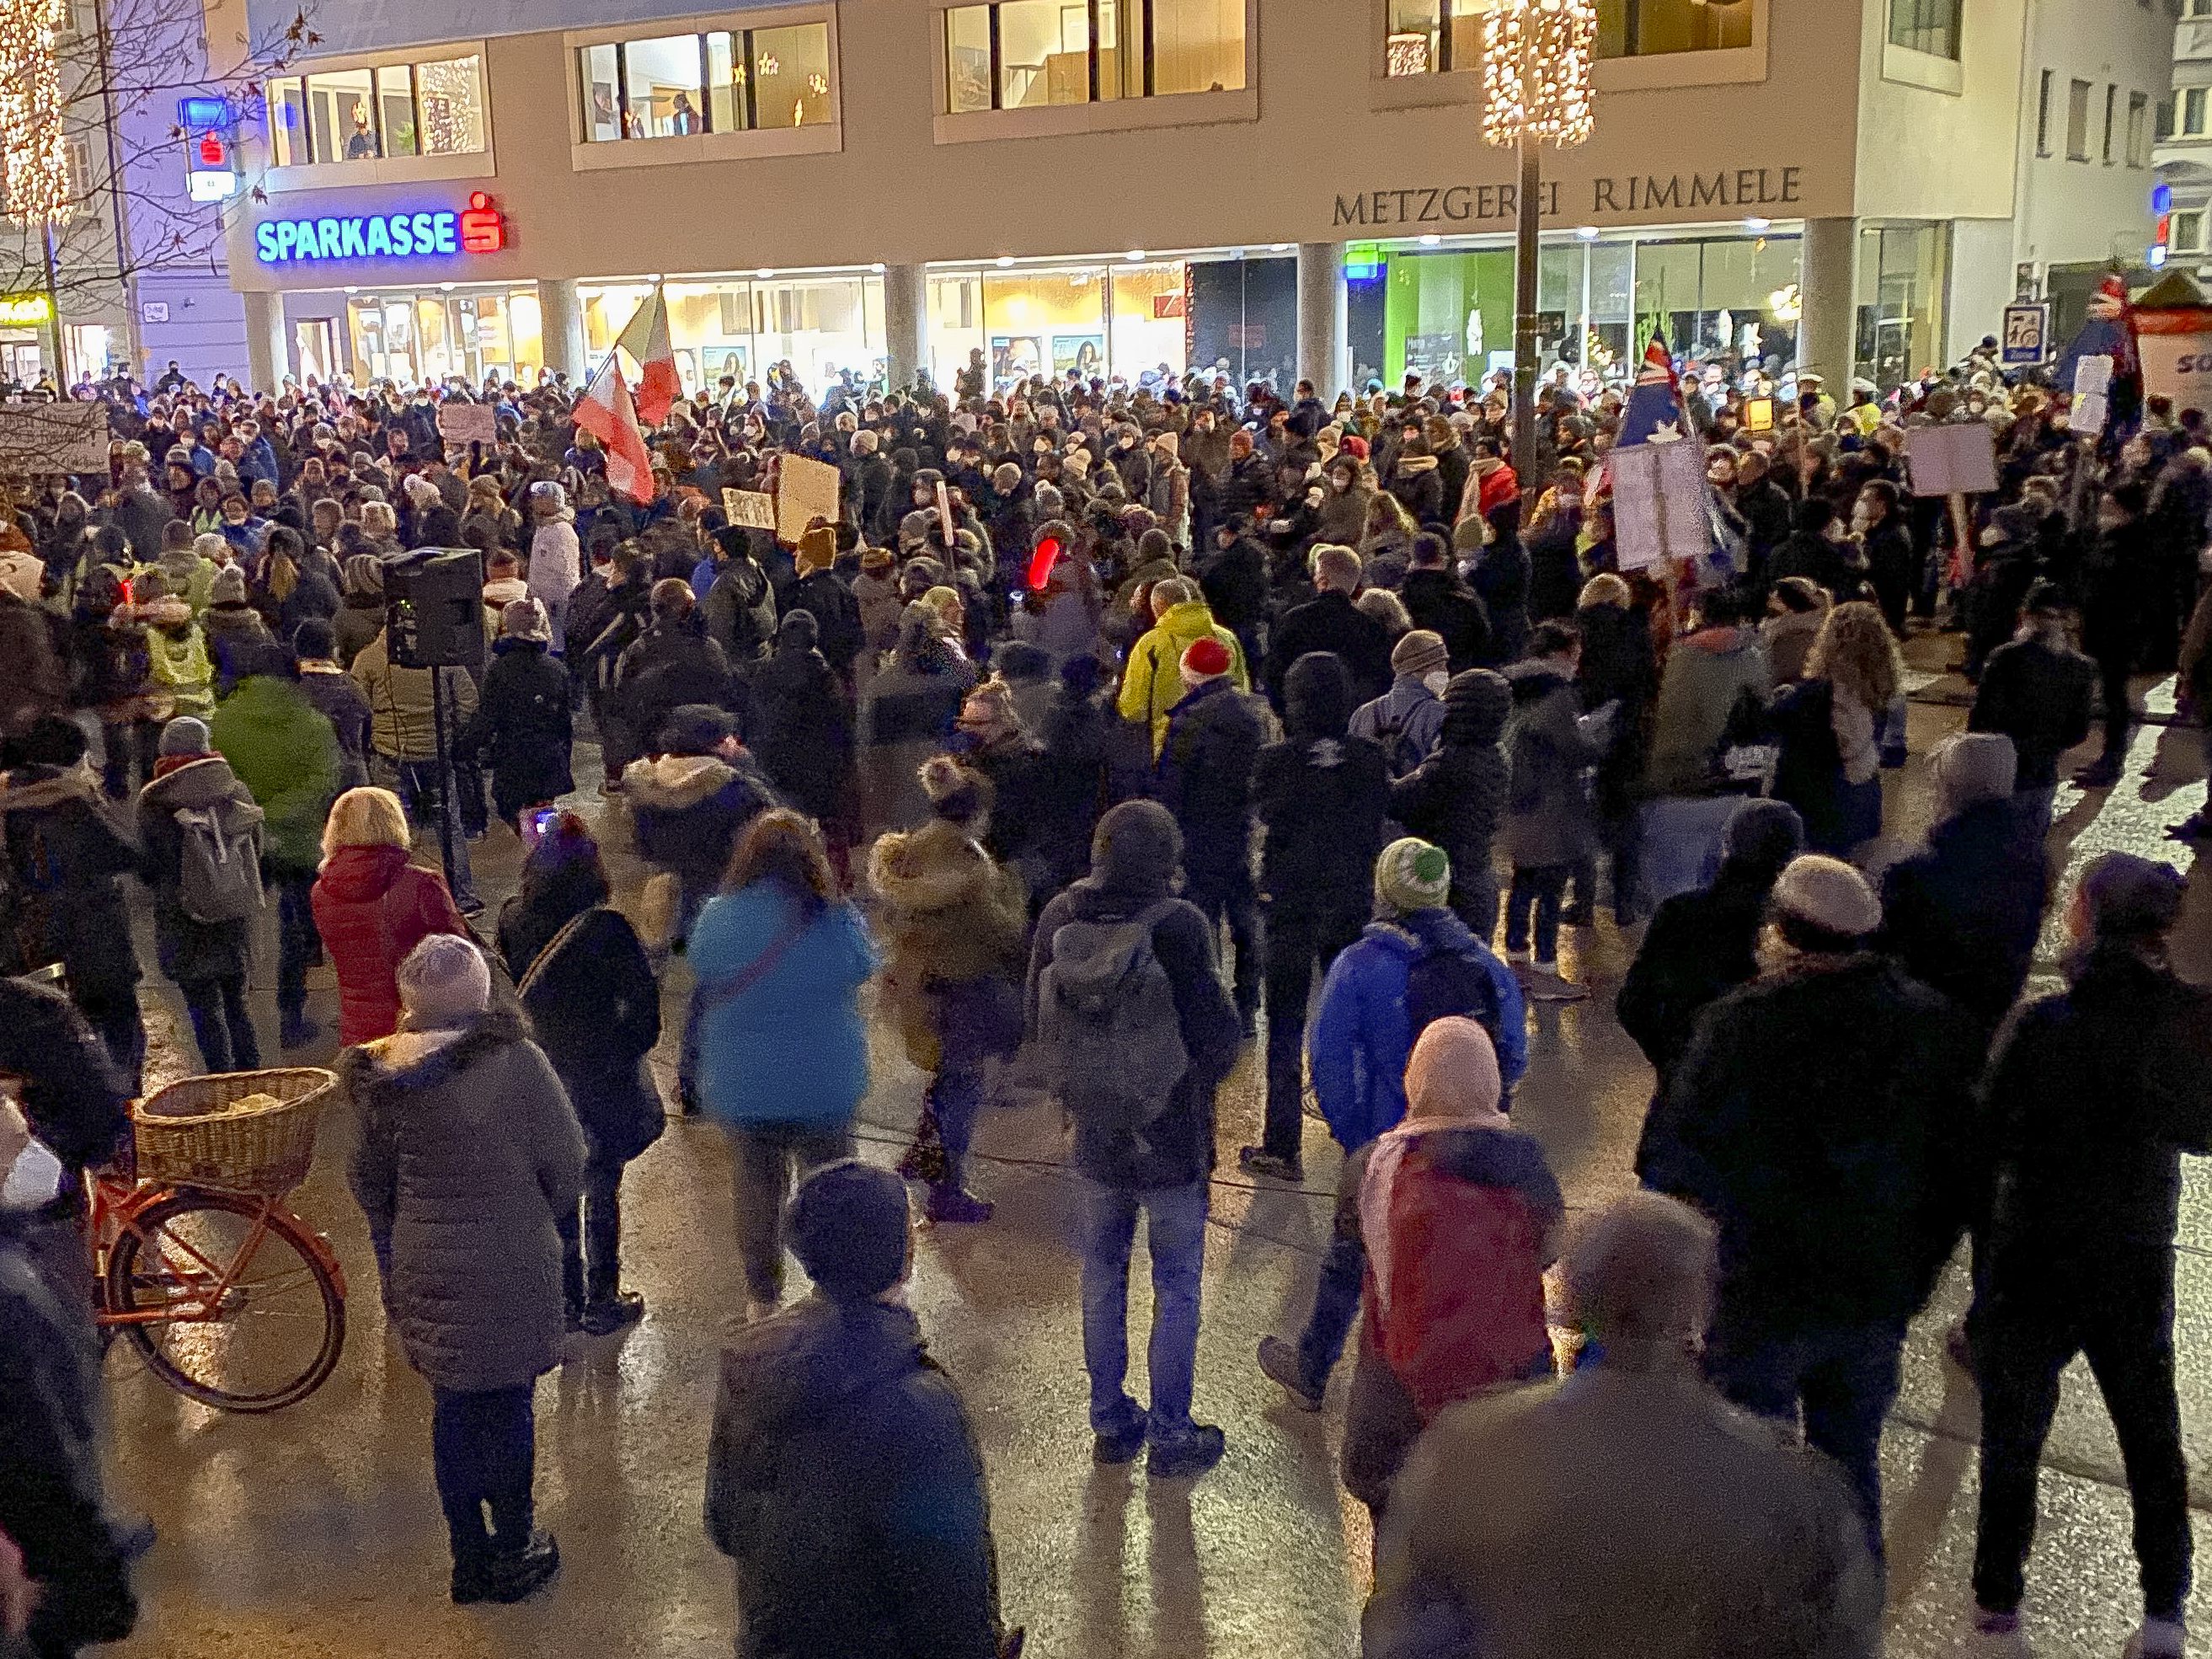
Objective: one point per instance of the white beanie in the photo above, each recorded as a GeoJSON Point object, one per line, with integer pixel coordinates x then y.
{"type": "Point", "coordinates": [444, 980]}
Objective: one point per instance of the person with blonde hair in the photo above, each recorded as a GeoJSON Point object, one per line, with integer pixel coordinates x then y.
{"type": "Point", "coordinates": [373, 906]}
{"type": "Point", "coordinates": [1829, 728]}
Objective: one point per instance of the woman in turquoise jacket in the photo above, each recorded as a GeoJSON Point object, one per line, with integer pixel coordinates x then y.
{"type": "Point", "coordinates": [782, 1050]}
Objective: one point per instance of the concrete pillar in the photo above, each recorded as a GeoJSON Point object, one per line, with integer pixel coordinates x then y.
{"type": "Point", "coordinates": [1324, 347]}
{"type": "Point", "coordinates": [268, 349]}
{"type": "Point", "coordinates": [1828, 322]}
{"type": "Point", "coordinates": [560, 323]}
{"type": "Point", "coordinates": [906, 323]}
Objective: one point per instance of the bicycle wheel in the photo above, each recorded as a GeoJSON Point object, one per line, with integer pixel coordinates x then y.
{"type": "Point", "coordinates": [278, 1329]}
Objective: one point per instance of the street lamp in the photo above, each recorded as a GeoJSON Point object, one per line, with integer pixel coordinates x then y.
{"type": "Point", "coordinates": [1536, 89]}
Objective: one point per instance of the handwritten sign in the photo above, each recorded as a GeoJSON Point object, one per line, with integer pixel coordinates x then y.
{"type": "Point", "coordinates": [1958, 459]}
{"type": "Point", "coordinates": [468, 423]}
{"type": "Point", "coordinates": [750, 509]}
{"type": "Point", "coordinates": [42, 438]}
{"type": "Point", "coordinates": [806, 489]}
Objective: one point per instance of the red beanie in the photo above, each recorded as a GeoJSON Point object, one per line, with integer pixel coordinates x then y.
{"type": "Point", "coordinates": [1205, 659]}
{"type": "Point", "coordinates": [1356, 446]}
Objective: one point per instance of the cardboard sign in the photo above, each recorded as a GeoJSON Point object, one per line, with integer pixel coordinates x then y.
{"type": "Point", "coordinates": [806, 489]}
{"type": "Point", "coordinates": [468, 423]}
{"type": "Point", "coordinates": [2092, 408]}
{"type": "Point", "coordinates": [1659, 503]}
{"type": "Point", "coordinates": [1957, 459]}
{"type": "Point", "coordinates": [45, 438]}
{"type": "Point", "coordinates": [750, 509]}
{"type": "Point", "coordinates": [2176, 347]}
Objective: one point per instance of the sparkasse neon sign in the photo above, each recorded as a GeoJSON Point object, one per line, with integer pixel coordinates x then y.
{"type": "Point", "coordinates": [431, 234]}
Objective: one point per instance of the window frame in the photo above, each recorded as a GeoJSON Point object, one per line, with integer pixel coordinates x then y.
{"type": "Point", "coordinates": [1915, 35]}
{"type": "Point", "coordinates": [2139, 129]}
{"type": "Point", "coordinates": [711, 139]}
{"type": "Point", "coordinates": [312, 169]}
{"type": "Point", "coordinates": [2078, 94]}
{"type": "Point", "coordinates": [2043, 102]}
{"type": "Point", "coordinates": [1149, 80]}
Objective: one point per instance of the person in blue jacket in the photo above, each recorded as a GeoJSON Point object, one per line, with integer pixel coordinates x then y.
{"type": "Point", "coordinates": [782, 1048]}
{"type": "Point", "coordinates": [1415, 963]}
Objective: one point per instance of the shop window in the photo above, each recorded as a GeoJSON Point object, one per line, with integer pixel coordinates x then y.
{"type": "Point", "coordinates": [1929, 26]}
{"type": "Point", "coordinates": [450, 102]}
{"type": "Point", "coordinates": [2193, 112]}
{"type": "Point", "coordinates": [434, 108]}
{"type": "Point", "coordinates": [341, 116]}
{"type": "Point", "coordinates": [1034, 54]}
{"type": "Point", "coordinates": [729, 81]}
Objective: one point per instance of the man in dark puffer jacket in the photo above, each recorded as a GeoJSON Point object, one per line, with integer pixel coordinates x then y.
{"type": "Point", "coordinates": [842, 1478]}
{"type": "Point", "coordinates": [1454, 799]}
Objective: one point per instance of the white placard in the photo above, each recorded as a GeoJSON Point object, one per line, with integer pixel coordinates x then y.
{"type": "Point", "coordinates": [42, 438]}
{"type": "Point", "coordinates": [750, 509]}
{"type": "Point", "coordinates": [1959, 459]}
{"type": "Point", "coordinates": [1659, 503]}
{"type": "Point", "coordinates": [468, 423]}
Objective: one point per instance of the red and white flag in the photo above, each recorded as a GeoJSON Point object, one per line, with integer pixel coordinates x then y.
{"type": "Point", "coordinates": [647, 341]}
{"type": "Point", "coordinates": [605, 411]}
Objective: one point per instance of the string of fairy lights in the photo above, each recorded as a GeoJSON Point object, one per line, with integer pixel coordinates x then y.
{"type": "Point", "coordinates": [34, 173]}
{"type": "Point", "coordinates": [1536, 71]}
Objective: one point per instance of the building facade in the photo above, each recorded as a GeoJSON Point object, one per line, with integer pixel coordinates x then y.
{"type": "Point", "coordinates": [1270, 187]}
{"type": "Point", "coordinates": [2184, 141]}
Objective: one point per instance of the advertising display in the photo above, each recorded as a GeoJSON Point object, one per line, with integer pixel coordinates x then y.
{"type": "Point", "coordinates": [2176, 346]}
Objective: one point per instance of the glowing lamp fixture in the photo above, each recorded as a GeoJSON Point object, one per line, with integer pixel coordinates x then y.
{"type": "Point", "coordinates": [1536, 71]}
{"type": "Point", "coordinates": [34, 174]}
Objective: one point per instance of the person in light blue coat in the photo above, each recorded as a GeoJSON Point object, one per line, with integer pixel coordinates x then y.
{"type": "Point", "coordinates": [1416, 962]}
{"type": "Point", "coordinates": [782, 1048]}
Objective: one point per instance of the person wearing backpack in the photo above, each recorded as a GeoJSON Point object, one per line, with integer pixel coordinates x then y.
{"type": "Point", "coordinates": [199, 834]}
{"type": "Point", "coordinates": [1416, 964]}
{"type": "Point", "coordinates": [1407, 721]}
{"type": "Point", "coordinates": [1125, 997]}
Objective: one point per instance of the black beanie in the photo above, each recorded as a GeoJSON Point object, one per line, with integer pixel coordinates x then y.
{"type": "Point", "coordinates": [847, 1227]}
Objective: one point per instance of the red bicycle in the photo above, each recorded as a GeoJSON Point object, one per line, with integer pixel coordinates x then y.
{"type": "Point", "coordinates": [229, 1297]}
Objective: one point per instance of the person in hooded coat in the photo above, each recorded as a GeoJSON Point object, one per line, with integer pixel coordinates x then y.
{"type": "Point", "coordinates": [843, 1479]}
{"type": "Point", "coordinates": [208, 961]}
{"type": "Point", "coordinates": [1455, 799]}
{"type": "Point", "coordinates": [1436, 599]}
{"type": "Point", "coordinates": [583, 977]}
{"type": "Point", "coordinates": [65, 846]}
{"type": "Point", "coordinates": [1320, 795]}
{"type": "Point", "coordinates": [1702, 944]}
{"type": "Point", "coordinates": [521, 727]}
{"type": "Point", "coordinates": [801, 723]}
{"type": "Point", "coordinates": [1963, 912]}
{"type": "Point", "coordinates": [689, 803]}
{"type": "Point", "coordinates": [557, 557]}
{"type": "Point", "coordinates": [469, 1163]}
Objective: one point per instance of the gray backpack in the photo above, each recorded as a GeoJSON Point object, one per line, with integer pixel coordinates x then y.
{"type": "Point", "coordinates": [1106, 1015]}
{"type": "Point", "coordinates": [219, 863]}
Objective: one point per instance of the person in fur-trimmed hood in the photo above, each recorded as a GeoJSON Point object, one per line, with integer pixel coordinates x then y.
{"type": "Point", "coordinates": [470, 1157]}
{"type": "Point", "coordinates": [953, 924]}
{"type": "Point", "coordinates": [691, 803]}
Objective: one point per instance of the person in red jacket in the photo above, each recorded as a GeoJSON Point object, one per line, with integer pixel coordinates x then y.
{"type": "Point", "coordinates": [372, 907]}
{"type": "Point", "coordinates": [1460, 1216]}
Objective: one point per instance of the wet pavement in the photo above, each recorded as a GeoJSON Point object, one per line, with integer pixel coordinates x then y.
{"type": "Point", "coordinates": [315, 1532]}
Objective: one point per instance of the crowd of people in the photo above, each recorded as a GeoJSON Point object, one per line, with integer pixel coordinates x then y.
{"type": "Point", "coordinates": [1105, 731]}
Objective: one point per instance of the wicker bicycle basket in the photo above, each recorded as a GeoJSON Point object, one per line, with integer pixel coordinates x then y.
{"type": "Point", "coordinates": [193, 1134]}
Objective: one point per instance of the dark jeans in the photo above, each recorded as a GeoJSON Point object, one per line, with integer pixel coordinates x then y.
{"type": "Point", "coordinates": [956, 1095]}
{"type": "Point", "coordinates": [1175, 1236]}
{"type": "Point", "coordinates": [762, 1158]}
{"type": "Point", "coordinates": [125, 745]}
{"type": "Point", "coordinates": [2113, 676]}
{"type": "Point", "coordinates": [221, 1025]}
{"type": "Point", "coordinates": [1297, 937]}
{"type": "Point", "coordinates": [1537, 889]}
{"type": "Point", "coordinates": [1845, 1380]}
{"type": "Point", "coordinates": [114, 1015]}
{"type": "Point", "coordinates": [1336, 1305]}
{"type": "Point", "coordinates": [484, 1448]}
{"type": "Point", "coordinates": [298, 943]}
{"type": "Point", "coordinates": [2124, 1326]}
{"type": "Point", "coordinates": [1231, 896]}
{"type": "Point", "coordinates": [591, 1241]}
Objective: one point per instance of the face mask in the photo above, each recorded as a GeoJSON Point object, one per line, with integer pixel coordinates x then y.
{"type": "Point", "coordinates": [1437, 682]}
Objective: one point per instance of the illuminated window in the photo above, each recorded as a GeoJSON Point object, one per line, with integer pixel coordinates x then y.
{"type": "Point", "coordinates": [1030, 54]}
{"type": "Point", "coordinates": [729, 81]}
{"type": "Point", "coordinates": [1433, 37]}
{"type": "Point", "coordinates": [434, 108]}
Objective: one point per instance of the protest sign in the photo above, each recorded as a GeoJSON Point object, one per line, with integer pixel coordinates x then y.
{"type": "Point", "coordinates": [1659, 503]}
{"type": "Point", "coordinates": [468, 423]}
{"type": "Point", "coordinates": [1959, 459]}
{"type": "Point", "coordinates": [806, 489]}
{"type": "Point", "coordinates": [750, 509]}
{"type": "Point", "coordinates": [37, 438]}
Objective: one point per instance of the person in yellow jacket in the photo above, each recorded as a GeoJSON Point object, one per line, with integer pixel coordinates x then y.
{"type": "Point", "coordinates": [1152, 685]}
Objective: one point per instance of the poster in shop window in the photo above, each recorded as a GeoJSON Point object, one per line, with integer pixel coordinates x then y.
{"type": "Point", "coordinates": [806, 489]}
{"type": "Point", "coordinates": [1958, 459]}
